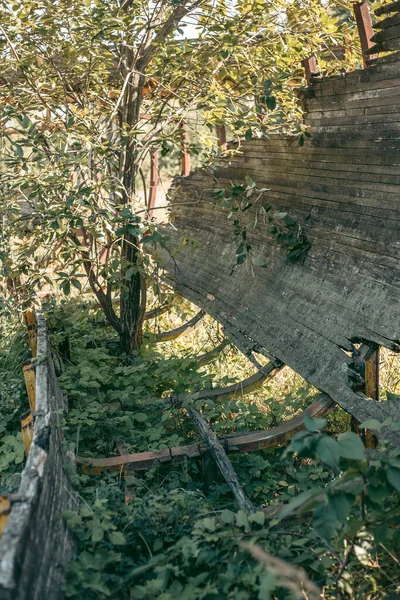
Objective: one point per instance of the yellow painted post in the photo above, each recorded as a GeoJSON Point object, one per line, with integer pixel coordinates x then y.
{"type": "Point", "coordinates": [27, 423]}
{"type": "Point", "coordinates": [30, 382]}
{"type": "Point", "coordinates": [30, 320]}
{"type": "Point", "coordinates": [5, 508]}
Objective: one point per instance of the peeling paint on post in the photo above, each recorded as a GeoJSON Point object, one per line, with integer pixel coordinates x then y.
{"type": "Point", "coordinates": [30, 382]}
{"type": "Point", "coordinates": [27, 430]}
{"type": "Point", "coordinates": [30, 319]}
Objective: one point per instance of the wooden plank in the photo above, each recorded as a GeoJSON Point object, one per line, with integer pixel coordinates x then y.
{"type": "Point", "coordinates": [388, 8]}
{"type": "Point", "coordinates": [173, 334]}
{"type": "Point", "coordinates": [224, 464]}
{"type": "Point", "coordinates": [235, 443]}
{"type": "Point", "coordinates": [388, 22]}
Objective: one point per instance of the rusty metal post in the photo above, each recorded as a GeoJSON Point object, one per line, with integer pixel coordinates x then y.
{"type": "Point", "coordinates": [30, 382]}
{"type": "Point", "coordinates": [364, 26]}
{"type": "Point", "coordinates": [310, 67]}
{"type": "Point", "coordinates": [185, 154]}
{"type": "Point", "coordinates": [221, 135]}
{"type": "Point", "coordinates": [153, 182]}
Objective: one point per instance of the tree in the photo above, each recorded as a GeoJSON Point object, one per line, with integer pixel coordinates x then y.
{"type": "Point", "coordinates": [90, 88]}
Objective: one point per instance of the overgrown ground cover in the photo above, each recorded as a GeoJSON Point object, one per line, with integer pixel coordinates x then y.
{"type": "Point", "coordinates": [174, 541]}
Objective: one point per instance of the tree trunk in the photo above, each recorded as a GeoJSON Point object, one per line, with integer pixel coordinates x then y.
{"type": "Point", "coordinates": [133, 297]}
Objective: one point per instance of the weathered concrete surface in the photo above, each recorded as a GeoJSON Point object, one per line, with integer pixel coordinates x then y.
{"type": "Point", "coordinates": [36, 546]}
{"type": "Point", "coordinates": [343, 188]}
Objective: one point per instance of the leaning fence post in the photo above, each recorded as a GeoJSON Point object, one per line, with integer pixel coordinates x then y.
{"type": "Point", "coordinates": [364, 26]}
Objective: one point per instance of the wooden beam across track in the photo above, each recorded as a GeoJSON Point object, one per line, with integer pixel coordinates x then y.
{"type": "Point", "coordinates": [238, 442]}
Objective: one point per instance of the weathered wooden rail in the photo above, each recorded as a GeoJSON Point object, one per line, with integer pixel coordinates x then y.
{"type": "Point", "coordinates": [236, 442]}
{"type": "Point", "coordinates": [342, 189]}
{"type": "Point", "coordinates": [35, 546]}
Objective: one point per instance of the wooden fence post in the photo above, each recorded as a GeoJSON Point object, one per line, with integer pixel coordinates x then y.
{"type": "Point", "coordinates": [364, 26]}
{"type": "Point", "coordinates": [27, 430]}
{"type": "Point", "coordinates": [185, 154]}
{"type": "Point", "coordinates": [30, 320]}
{"type": "Point", "coordinates": [30, 382]}
{"type": "Point", "coordinates": [221, 135]}
{"type": "Point", "coordinates": [310, 67]}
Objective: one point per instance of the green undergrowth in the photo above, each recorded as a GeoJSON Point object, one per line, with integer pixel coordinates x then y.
{"type": "Point", "coordinates": [180, 537]}
{"type": "Point", "coordinates": [14, 351]}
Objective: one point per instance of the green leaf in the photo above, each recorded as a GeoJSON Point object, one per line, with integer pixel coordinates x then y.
{"type": "Point", "coordinates": [393, 477]}
{"type": "Point", "coordinates": [76, 283]}
{"type": "Point", "coordinates": [227, 516]}
{"type": "Point", "coordinates": [299, 502]}
{"type": "Point", "coordinates": [240, 259]}
{"type": "Point", "coordinates": [209, 523]}
{"type": "Point", "coordinates": [117, 538]}
{"type": "Point", "coordinates": [271, 102]}
{"type": "Point", "coordinates": [268, 583]}
{"type": "Point", "coordinates": [257, 517]}
{"type": "Point", "coordinates": [351, 446]}
{"type": "Point", "coordinates": [328, 451]}
{"type": "Point", "coordinates": [140, 417]}
{"type": "Point", "coordinates": [242, 519]}
{"type": "Point", "coordinates": [314, 424]}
